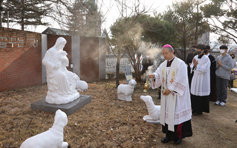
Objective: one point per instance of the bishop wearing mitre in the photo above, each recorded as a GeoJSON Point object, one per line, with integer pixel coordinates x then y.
{"type": "Point", "coordinates": [175, 113]}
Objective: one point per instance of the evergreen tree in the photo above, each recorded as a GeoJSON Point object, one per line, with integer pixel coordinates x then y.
{"type": "Point", "coordinates": [84, 19]}
{"type": "Point", "coordinates": [81, 17]}
{"type": "Point", "coordinates": [188, 22]}
{"type": "Point", "coordinates": [222, 17]}
{"type": "Point", "coordinates": [26, 12]}
{"type": "Point", "coordinates": [158, 31]}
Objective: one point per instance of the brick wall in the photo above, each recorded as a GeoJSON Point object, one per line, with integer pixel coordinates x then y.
{"type": "Point", "coordinates": [20, 59]}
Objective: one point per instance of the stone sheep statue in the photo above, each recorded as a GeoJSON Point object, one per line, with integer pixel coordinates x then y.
{"type": "Point", "coordinates": [153, 110]}
{"type": "Point", "coordinates": [81, 85]}
{"type": "Point", "coordinates": [53, 138]}
{"type": "Point", "coordinates": [125, 91]}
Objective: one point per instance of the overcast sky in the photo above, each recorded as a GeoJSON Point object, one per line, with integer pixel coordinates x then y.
{"type": "Point", "coordinates": [111, 12]}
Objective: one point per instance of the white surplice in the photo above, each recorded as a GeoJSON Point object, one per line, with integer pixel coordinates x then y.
{"type": "Point", "coordinates": [200, 85]}
{"type": "Point", "coordinates": [177, 105]}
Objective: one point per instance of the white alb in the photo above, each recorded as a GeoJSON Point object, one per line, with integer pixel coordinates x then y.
{"type": "Point", "coordinates": [153, 110]}
{"type": "Point", "coordinates": [200, 85]}
{"type": "Point", "coordinates": [53, 138]}
{"type": "Point", "coordinates": [125, 91]}
{"type": "Point", "coordinates": [62, 84]}
{"type": "Point", "coordinates": [175, 107]}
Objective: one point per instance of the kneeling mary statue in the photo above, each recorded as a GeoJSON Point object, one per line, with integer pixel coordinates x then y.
{"type": "Point", "coordinates": [62, 84]}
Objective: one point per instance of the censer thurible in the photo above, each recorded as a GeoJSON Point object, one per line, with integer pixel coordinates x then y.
{"type": "Point", "coordinates": [146, 86]}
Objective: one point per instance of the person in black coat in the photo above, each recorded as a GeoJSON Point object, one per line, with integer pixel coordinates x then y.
{"type": "Point", "coordinates": [213, 96]}
{"type": "Point", "coordinates": [189, 62]}
{"type": "Point", "coordinates": [146, 62]}
{"type": "Point", "coordinates": [230, 85]}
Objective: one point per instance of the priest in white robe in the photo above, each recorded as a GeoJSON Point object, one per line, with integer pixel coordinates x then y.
{"type": "Point", "coordinates": [200, 85]}
{"type": "Point", "coordinates": [175, 114]}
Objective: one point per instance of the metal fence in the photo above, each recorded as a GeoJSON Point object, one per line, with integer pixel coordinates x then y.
{"type": "Point", "coordinates": [111, 61]}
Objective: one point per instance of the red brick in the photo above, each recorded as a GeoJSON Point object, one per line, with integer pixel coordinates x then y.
{"type": "Point", "coordinates": [20, 68]}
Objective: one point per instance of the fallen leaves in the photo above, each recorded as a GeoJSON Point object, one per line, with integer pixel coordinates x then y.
{"type": "Point", "coordinates": [105, 122]}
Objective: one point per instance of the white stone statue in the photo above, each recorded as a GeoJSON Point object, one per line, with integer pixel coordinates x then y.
{"type": "Point", "coordinates": [62, 84]}
{"type": "Point", "coordinates": [53, 138]}
{"type": "Point", "coordinates": [125, 91]}
{"type": "Point", "coordinates": [153, 110]}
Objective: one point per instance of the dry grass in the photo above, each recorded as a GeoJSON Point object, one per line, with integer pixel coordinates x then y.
{"type": "Point", "coordinates": [109, 122]}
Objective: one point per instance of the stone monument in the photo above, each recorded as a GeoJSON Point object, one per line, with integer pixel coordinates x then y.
{"type": "Point", "coordinates": [52, 138]}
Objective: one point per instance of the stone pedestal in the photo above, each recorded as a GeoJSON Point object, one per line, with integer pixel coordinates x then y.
{"type": "Point", "coordinates": [68, 108]}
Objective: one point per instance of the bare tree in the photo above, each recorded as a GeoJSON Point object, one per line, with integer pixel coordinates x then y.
{"type": "Point", "coordinates": [80, 17]}
{"type": "Point", "coordinates": [1, 8]}
{"type": "Point", "coordinates": [123, 38]}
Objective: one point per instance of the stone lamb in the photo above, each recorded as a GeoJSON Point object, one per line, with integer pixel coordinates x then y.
{"type": "Point", "coordinates": [153, 110]}
{"type": "Point", "coordinates": [125, 91]}
{"type": "Point", "coordinates": [52, 138]}
{"type": "Point", "coordinates": [81, 85]}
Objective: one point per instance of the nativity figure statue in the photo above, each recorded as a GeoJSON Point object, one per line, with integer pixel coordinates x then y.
{"type": "Point", "coordinates": [63, 85]}
{"type": "Point", "coordinates": [52, 138]}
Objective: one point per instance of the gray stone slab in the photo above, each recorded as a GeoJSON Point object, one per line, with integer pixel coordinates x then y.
{"type": "Point", "coordinates": [68, 108]}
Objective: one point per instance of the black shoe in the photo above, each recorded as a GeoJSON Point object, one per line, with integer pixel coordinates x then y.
{"type": "Point", "coordinates": [178, 141]}
{"type": "Point", "coordinates": [165, 140]}
{"type": "Point", "coordinates": [197, 113]}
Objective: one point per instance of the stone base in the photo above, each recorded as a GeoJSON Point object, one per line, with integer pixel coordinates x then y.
{"type": "Point", "coordinates": [68, 108]}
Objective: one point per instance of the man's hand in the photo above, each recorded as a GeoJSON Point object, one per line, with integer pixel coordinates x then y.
{"type": "Point", "coordinates": [151, 75]}
{"type": "Point", "coordinates": [195, 62]}
{"type": "Point", "coordinates": [167, 92]}
{"type": "Point", "coordinates": [219, 63]}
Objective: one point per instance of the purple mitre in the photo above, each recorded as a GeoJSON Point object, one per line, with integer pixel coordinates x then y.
{"type": "Point", "coordinates": [167, 46]}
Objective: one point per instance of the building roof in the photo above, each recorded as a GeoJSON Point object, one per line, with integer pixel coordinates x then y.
{"type": "Point", "coordinates": [55, 31]}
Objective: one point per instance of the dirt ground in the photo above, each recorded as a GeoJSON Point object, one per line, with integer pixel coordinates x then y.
{"type": "Point", "coordinates": [109, 122]}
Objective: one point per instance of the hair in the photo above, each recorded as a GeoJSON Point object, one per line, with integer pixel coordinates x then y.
{"type": "Point", "coordinates": [207, 47]}
{"type": "Point", "coordinates": [193, 46]}
{"type": "Point", "coordinates": [170, 49]}
{"type": "Point", "coordinates": [232, 55]}
{"type": "Point", "coordinates": [201, 46]}
{"type": "Point", "coordinates": [223, 47]}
